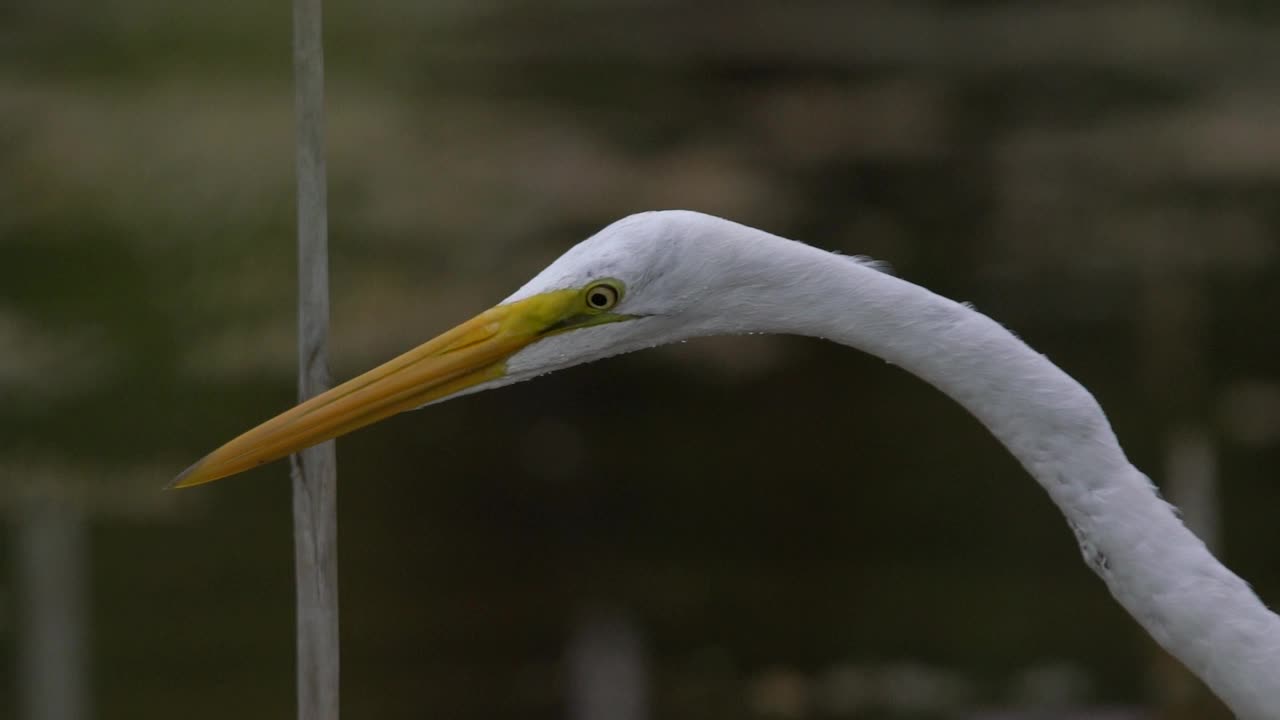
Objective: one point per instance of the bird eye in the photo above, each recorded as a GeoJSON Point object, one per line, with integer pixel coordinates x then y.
{"type": "Point", "coordinates": [602, 296]}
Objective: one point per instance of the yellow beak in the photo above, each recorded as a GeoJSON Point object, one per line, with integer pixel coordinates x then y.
{"type": "Point", "coordinates": [471, 353]}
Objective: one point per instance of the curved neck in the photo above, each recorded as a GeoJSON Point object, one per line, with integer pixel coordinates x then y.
{"type": "Point", "coordinates": [1196, 608]}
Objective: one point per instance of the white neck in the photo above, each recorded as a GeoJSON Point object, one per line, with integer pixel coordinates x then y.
{"type": "Point", "coordinates": [1196, 608]}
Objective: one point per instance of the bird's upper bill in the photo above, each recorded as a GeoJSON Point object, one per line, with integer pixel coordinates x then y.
{"type": "Point", "coordinates": [472, 353]}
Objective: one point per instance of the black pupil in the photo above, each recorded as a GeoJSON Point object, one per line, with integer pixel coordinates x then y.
{"type": "Point", "coordinates": [599, 299]}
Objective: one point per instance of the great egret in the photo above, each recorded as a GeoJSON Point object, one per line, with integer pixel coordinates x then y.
{"type": "Point", "coordinates": [660, 277]}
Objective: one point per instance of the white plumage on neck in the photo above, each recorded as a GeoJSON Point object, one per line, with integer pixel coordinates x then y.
{"type": "Point", "coordinates": [1195, 607]}
{"type": "Point", "coordinates": [689, 275]}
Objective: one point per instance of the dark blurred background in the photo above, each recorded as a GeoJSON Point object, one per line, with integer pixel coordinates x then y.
{"type": "Point", "coordinates": [747, 527]}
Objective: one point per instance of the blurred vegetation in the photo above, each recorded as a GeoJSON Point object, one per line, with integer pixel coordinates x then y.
{"type": "Point", "coordinates": [756, 502]}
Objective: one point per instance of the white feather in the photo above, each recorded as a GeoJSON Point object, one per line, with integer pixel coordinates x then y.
{"type": "Point", "coordinates": [689, 274]}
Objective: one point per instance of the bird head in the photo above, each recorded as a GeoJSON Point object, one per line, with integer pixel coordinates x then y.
{"type": "Point", "coordinates": [632, 285]}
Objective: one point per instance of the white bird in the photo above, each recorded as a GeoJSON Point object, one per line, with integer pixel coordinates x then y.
{"type": "Point", "coordinates": [661, 277]}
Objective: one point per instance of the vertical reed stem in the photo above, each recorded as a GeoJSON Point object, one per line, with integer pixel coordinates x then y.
{"type": "Point", "coordinates": [314, 469]}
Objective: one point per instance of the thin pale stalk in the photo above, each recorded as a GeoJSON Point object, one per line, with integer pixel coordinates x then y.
{"type": "Point", "coordinates": [314, 469]}
{"type": "Point", "coordinates": [52, 595]}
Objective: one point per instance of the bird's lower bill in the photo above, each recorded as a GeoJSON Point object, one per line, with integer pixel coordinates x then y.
{"type": "Point", "coordinates": [471, 353]}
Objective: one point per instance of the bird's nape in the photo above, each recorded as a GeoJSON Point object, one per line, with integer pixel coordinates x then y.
{"type": "Point", "coordinates": [464, 358]}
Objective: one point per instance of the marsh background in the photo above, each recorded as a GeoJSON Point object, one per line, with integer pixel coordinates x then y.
{"type": "Point", "coordinates": [775, 518]}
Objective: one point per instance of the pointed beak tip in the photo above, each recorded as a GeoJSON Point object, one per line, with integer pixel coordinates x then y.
{"type": "Point", "coordinates": [185, 479]}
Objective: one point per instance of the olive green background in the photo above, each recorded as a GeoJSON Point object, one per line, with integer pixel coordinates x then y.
{"type": "Point", "coordinates": [1100, 177]}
